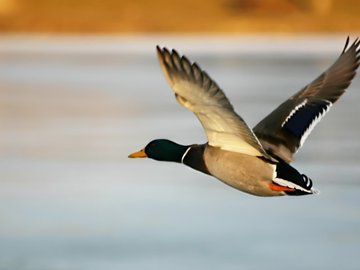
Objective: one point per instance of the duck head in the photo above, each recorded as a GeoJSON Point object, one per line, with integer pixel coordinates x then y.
{"type": "Point", "coordinates": [162, 150]}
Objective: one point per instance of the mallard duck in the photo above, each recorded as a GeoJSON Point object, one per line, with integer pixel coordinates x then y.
{"type": "Point", "coordinates": [255, 161]}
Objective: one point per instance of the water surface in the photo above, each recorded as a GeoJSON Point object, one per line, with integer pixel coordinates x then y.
{"type": "Point", "coordinates": [72, 109]}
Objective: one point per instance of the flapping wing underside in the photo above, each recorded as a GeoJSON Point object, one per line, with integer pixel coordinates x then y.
{"type": "Point", "coordinates": [195, 90]}
{"type": "Point", "coordinates": [285, 129]}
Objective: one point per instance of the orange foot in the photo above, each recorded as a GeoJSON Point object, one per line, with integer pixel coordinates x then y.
{"type": "Point", "coordinates": [276, 187]}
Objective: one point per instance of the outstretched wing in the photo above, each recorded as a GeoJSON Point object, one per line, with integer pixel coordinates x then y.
{"type": "Point", "coordinates": [285, 129]}
{"type": "Point", "coordinates": [196, 91]}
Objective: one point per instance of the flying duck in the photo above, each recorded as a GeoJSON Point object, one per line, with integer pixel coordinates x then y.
{"type": "Point", "coordinates": [255, 161]}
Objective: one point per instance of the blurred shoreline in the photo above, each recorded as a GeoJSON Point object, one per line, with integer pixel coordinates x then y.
{"type": "Point", "coordinates": [199, 43]}
{"type": "Point", "coordinates": [179, 16]}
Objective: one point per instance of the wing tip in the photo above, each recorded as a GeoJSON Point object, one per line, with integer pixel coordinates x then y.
{"type": "Point", "coordinates": [161, 52]}
{"type": "Point", "coordinates": [172, 62]}
{"type": "Point", "coordinates": [346, 44]}
{"type": "Point", "coordinates": [354, 45]}
{"type": "Point", "coordinates": [170, 57]}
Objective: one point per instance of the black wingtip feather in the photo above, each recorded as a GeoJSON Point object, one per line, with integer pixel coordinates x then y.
{"type": "Point", "coordinates": [176, 60]}
{"type": "Point", "coordinates": [346, 44]}
{"type": "Point", "coordinates": [164, 55]}
{"type": "Point", "coordinates": [353, 46]}
{"type": "Point", "coordinates": [186, 65]}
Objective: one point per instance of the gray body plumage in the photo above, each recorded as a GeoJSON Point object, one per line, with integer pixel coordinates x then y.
{"type": "Point", "coordinates": [241, 171]}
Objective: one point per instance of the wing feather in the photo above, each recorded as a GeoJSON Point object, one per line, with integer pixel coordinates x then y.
{"type": "Point", "coordinates": [314, 100]}
{"type": "Point", "coordinates": [195, 90]}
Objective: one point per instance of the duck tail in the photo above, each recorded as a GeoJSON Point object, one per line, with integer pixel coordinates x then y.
{"type": "Point", "coordinates": [288, 176]}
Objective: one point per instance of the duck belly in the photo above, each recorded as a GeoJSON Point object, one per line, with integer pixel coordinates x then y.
{"type": "Point", "coordinates": [247, 173]}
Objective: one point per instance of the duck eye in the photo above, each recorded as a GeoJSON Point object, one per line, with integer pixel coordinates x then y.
{"type": "Point", "coordinates": [153, 145]}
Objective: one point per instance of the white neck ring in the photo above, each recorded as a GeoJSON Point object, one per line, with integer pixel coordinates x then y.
{"type": "Point", "coordinates": [185, 153]}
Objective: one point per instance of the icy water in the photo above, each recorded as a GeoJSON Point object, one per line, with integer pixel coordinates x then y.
{"type": "Point", "coordinates": [72, 109]}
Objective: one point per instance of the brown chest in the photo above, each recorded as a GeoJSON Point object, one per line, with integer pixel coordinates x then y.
{"type": "Point", "coordinates": [244, 172]}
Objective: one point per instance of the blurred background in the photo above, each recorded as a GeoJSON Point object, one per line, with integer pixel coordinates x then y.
{"type": "Point", "coordinates": [142, 16]}
{"type": "Point", "coordinates": [81, 88]}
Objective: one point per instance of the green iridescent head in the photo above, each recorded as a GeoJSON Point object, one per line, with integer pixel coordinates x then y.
{"type": "Point", "coordinates": [162, 150]}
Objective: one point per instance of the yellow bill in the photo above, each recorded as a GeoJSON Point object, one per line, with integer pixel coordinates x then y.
{"type": "Point", "coordinates": [138, 154]}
